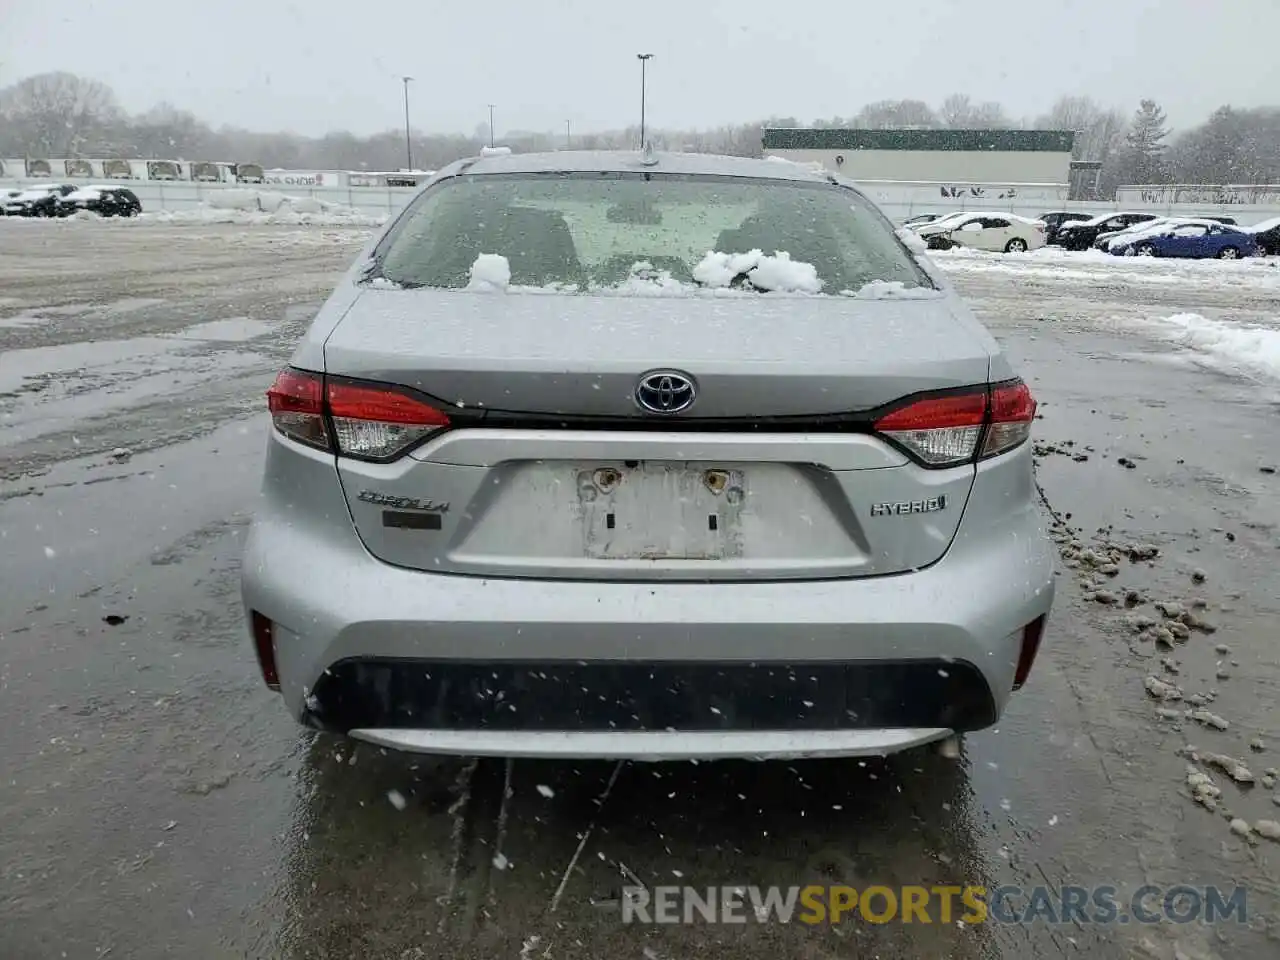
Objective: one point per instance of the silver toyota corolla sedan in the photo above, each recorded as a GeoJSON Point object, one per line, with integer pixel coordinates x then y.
{"type": "Point", "coordinates": [651, 456]}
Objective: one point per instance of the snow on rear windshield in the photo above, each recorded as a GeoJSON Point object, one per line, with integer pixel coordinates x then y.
{"type": "Point", "coordinates": [584, 232]}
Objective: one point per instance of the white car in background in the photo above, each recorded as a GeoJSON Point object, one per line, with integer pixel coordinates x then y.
{"type": "Point", "coordinates": [994, 231]}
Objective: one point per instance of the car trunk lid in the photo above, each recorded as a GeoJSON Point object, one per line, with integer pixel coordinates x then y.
{"type": "Point", "coordinates": [550, 469]}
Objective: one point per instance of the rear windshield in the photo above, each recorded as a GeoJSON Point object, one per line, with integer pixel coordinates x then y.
{"type": "Point", "coordinates": [583, 232]}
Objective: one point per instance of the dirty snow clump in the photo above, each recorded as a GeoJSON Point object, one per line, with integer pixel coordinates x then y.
{"type": "Point", "coordinates": [490, 273]}
{"type": "Point", "coordinates": [777, 273]}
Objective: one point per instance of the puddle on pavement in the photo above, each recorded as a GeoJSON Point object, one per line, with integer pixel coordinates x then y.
{"type": "Point", "coordinates": [229, 330]}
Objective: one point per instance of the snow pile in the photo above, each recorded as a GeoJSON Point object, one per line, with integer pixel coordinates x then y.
{"type": "Point", "coordinates": [491, 273]}
{"type": "Point", "coordinates": [912, 240]}
{"type": "Point", "coordinates": [891, 290]}
{"type": "Point", "coordinates": [816, 166]}
{"type": "Point", "coordinates": [645, 281]}
{"type": "Point", "coordinates": [1235, 345]}
{"type": "Point", "coordinates": [267, 206]}
{"type": "Point", "coordinates": [778, 273]}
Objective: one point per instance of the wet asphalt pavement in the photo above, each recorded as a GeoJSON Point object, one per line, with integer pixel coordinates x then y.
{"type": "Point", "coordinates": [157, 801]}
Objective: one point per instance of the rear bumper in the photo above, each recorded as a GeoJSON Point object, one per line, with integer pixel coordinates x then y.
{"type": "Point", "coordinates": [876, 646]}
{"type": "Point", "coordinates": [654, 746]}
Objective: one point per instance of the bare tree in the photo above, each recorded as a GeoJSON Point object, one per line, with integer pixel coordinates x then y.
{"type": "Point", "coordinates": [990, 116]}
{"type": "Point", "coordinates": [1231, 147]}
{"type": "Point", "coordinates": [1099, 130]}
{"type": "Point", "coordinates": [896, 113]}
{"type": "Point", "coordinates": [956, 110]}
{"type": "Point", "coordinates": [57, 115]}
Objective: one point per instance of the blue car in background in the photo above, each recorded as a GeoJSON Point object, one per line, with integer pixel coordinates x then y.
{"type": "Point", "coordinates": [1187, 240]}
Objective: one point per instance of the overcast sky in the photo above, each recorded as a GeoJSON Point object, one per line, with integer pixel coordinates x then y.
{"type": "Point", "coordinates": [336, 64]}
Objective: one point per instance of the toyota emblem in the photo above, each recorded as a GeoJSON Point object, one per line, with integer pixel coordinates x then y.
{"type": "Point", "coordinates": [665, 391]}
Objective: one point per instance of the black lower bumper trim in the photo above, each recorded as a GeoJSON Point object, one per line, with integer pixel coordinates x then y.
{"type": "Point", "coordinates": [631, 696]}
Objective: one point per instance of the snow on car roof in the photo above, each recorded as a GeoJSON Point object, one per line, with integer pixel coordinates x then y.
{"type": "Point", "coordinates": [1264, 226]}
{"type": "Point", "coordinates": [591, 161]}
{"type": "Point", "coordinates": [1104, 217]}
{"type": "Point", "coordinates": [1155, 227]}
{"type": "Point", "coordinates": [1002, 214]}
{"type": "Point", "coordinates": [35, 193]}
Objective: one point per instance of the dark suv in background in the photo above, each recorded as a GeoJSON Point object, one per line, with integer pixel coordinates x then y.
{"type": "Point", "coordinates": [1056, 218]}
{"type": "Point", "coordinates": [106, 201]}
{"type": "Point", "coordinates": [1080, 235]}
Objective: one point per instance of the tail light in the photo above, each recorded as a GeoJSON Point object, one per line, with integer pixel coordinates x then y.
{"type": "Point", "coordinates": [373, 422]}
{"type": "Point", "coordinates": [955, 428]}
{"type": "Point", "coordinates": [296, 401]}
{"type": "Point", "coordinates": [367, 421]}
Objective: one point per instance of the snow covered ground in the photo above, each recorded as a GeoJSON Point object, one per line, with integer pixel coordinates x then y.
{"type": "Point", "coordinates": [1234, 323]}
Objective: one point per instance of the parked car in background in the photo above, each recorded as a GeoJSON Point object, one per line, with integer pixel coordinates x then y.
{"type": "Point", "coordinates": [104, 200]}
{"type": "Point", "coordinates": [994, 231]}
{"type": "Point", "coordinates": [1105, 239]}
{"type": "Point", "coordinates": [1195, 241]}
{"type": "Point", "coordinates": [1056, 218]}
{"type": "Point", "coordinates": [1267, 236]}
{"type": "Point", "coordinates": [5, 197]}
{"type": "Point", "coordinates": [1081, 234]}
{"type": "Point", "coordinates": [917, 225]}
{"type": "Point", "coordinates": [38, 201]}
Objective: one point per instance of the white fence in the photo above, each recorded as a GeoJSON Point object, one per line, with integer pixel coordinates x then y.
{"type": "Point", "coordinates": [897, 204]}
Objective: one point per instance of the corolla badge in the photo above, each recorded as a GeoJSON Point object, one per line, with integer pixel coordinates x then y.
{"type": "Point", "coordinates": [665, 391]}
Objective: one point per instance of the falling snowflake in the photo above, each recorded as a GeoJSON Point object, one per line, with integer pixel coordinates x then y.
{"type": "Point", "coordinates": [397, 799]}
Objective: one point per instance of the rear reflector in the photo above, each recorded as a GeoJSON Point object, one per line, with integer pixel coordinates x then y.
{"type": "Point", "coordinates": [943, 431]}
{"type": "Point", "coordinates": [368, 421]}
{"type": "Point", "coordinates": [264, 646]}
{"type": "Point", "coordinates": [1031, 635]}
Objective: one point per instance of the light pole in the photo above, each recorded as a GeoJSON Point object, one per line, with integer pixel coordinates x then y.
{"type": "Point", "coordinates": [568, 136]}
{"type": "Point", "coordinates": [491, 124]}
{"type": "Point", "coordinates": [644, 59]}
{"type": "Point", "coordinates": [408, 144]}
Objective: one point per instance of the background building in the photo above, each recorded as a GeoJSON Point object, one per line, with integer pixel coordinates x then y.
{"type": "Point", "coordinates": [959, 157]}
